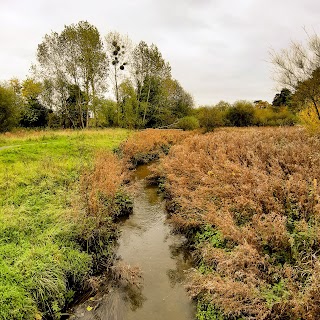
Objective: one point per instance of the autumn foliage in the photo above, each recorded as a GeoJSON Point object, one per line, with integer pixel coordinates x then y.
{"type": "Point", "coordinates": [248, 199]}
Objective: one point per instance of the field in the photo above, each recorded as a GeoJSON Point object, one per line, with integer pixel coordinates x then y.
{"type": "Point", "coordinates": [247, 200]}
{"type": "Point", "coordinates": [47, 230]}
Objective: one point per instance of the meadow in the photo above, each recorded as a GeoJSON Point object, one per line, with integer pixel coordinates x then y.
{"type": "Point", "coordinates": [247, 199]}
{"type": "Point", "coordinates": [51, 238]}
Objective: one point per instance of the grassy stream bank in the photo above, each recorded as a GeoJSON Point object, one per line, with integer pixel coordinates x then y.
{"type": "Point", "coordinates": [49, 227]}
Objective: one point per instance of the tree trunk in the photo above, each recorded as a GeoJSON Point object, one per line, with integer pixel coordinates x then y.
{"type": "Point", "coordinates": [87, 96]}
{"type": "Point", "coordinates": [93, 103]}
{"type": "Point", "coordinates": [316, 108]}
{"type": "Point", "coordinates": [117, 94]}
{"type": "Point", "coordinates": [145, 108]}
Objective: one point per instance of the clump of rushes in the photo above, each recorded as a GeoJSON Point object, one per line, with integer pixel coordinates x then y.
{"type": "Point", "coordinates": [248, 199]}
{"type": "Point", "coordinates": [147, 145]}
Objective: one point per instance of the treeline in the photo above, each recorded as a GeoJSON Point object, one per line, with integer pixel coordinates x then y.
{"type": "Point", "coordinates": [77, 69]}
{"type": "Point", "coordinates": [243, 114]}
{"type": "Point", "coordinates": [81, 79]}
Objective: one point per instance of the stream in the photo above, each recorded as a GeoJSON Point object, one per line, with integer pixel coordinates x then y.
{"type": "Point", "coordinates": [147, 242]}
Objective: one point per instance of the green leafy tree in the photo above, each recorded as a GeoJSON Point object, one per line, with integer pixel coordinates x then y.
{"type": "Point", "coordinates": [170, 103]}
{"type": "Point", "coordinates": [148, 67]}
{"type": "Point", "coordinates": [106, 112]}
{"type": "Point", "coordinates": [211, 117]}
{"type": "Point", "coordinates": [283, 98]}
{"type": "Point", "coordinates": [74, 57]}
{"type": "Point", "coordinates": [34, 113]}
{"type": "Point", "coordinates": [130, 108]}
{"type": "Point", "coordinates": [10, 108]}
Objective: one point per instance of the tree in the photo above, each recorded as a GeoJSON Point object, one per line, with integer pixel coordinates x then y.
{"type": "Point", "coordinates": [308, 92]}
{"type": "Point", "coordinates": [148, 66]}
{"type": "Point", "coordinates": [212, 117]}
{"type": "Point", "coordinates": [10, 107]}
{"type": "Point", "coordinates": [131, 113]}
{"type": "Point", "coordinates": [297, 69]}
{"type": "Point", "coordinates": [119, 51]}
{"type": "Point", "coordinates": [34, 114]}
{"type": "Point", "coordinates": [106, 112]}
{"type": "Point", "coordinates": [31, 89]}
{"type": "Point", "coordinates": [74, 57]}
{"type": "Point", "coordinates": [171, 102]}
{"type": "Point", "coordinates": [88, 61]}
{"type": "Point", "coordinates": [283, 98]}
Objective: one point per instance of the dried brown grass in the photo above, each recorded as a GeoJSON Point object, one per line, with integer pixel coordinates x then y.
{"type": "Point", "coordinates": [104, 197]}
{"type": "Point", "coordinates": [258, 187]}
{"type": "Point", "coordinates": [101, 184]}
{"type": "Point", "coordinates": [147, 145]}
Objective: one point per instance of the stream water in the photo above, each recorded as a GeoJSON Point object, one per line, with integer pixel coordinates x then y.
{"type": "Point", "coordinates": [146, 241]}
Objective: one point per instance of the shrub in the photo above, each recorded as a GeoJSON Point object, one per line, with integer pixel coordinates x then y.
{"type": "Point", "coordinates": [211, 117]}
{"type": "Point", "coordinates": [270, 117]}
{"type": "Point", "coordinates": [309, 118]}
{"type": "Point", "coordinates": [188, 123]}
{"type": "Point", "coordinates": [241, 114]}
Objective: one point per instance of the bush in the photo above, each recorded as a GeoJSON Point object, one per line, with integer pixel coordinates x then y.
{"type": "Point", "coordinates": [188, 123]}
{"type": "Point", "coordinates": [211, 117]}
{"type": "Point", "coordinates": [309, 118]}
{"type": "Point", "coordinates": [241, 114]}
{"type": "Point", "coordinates": [270, 117]}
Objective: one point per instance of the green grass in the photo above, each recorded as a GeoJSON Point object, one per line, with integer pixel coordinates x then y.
{"type": "Point", "coordinates": [40, 255]}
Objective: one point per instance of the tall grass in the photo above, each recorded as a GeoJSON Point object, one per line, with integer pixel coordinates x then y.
{"type": "Point", "coordinates": [51, 240]}
{"type": "Point", "coordinates": [248, 199]}
{"type": "Point", "coordinates": [147, 145]}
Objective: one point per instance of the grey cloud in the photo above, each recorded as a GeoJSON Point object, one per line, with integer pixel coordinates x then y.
{"type": "Point", "coordinates": [217, 49]}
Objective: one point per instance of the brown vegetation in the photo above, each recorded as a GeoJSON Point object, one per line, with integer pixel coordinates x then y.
{"type": "Point", "coordinates": [104, 198]}
{"type": "Point", "coordinates": [147, 145]}
{"type": "Point", "coordinates": [249, 200]}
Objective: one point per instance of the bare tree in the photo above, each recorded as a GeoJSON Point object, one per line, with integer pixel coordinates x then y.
{"type": "Point", "coordinates": [119, 50]}
{"type": "Point", "coordinates": [298, 69]}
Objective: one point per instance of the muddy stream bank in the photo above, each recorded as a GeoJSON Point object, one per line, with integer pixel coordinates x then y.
{"type": "Point", "coordinates": [146, 242]}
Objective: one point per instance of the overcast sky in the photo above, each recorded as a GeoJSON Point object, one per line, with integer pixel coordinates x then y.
{"type": "Point", "coordinates": [218, 49]}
